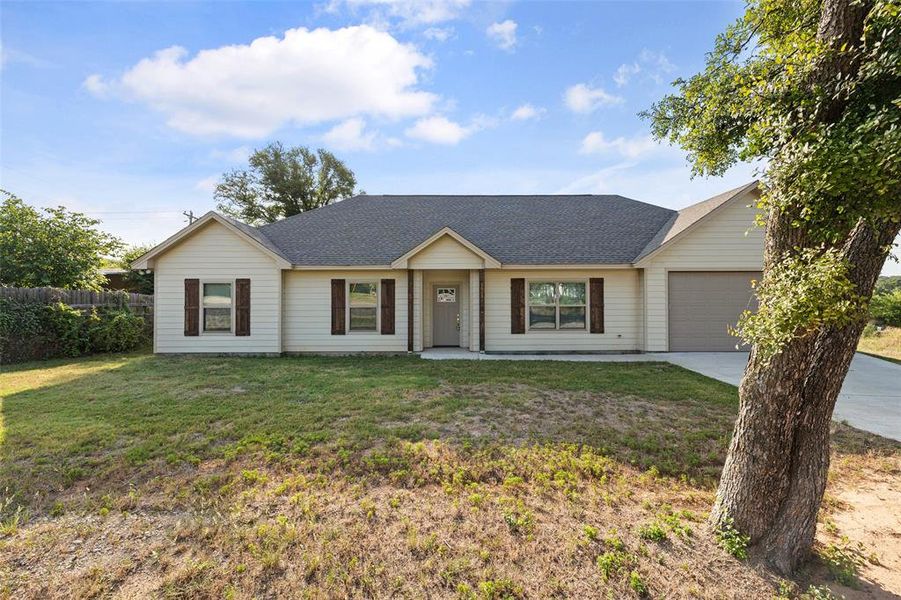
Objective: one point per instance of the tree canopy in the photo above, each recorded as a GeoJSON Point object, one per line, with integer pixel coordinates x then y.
{"type": "Point", "coordinates": [824, 115]}
{"type": "Point", "coordinates": [53, 247]}
{"type": "Point", "coordinates": [140, 282]}
{"type": "Point", "coordinates": [282, 182]}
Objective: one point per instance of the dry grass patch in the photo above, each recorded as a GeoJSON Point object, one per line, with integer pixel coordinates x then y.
{"type": "Point", "coordinates": [322, 478]}
{"type": "Point", "coordinates": [884, 344]}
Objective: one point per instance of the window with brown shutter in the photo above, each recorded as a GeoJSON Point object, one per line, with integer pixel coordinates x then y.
{"type": "Point", "coordinates": [387, 307]}
{"type": "Point", "coordinates": [517, 305]}
{"type": "Point", "coordinates": [242, 307]}
{"type": "Point", "coordinates": [596, 298]}
{"type": "Point", "coordinates": [338, 307]}
{"type": "Point", "coordinates": [192, 307]}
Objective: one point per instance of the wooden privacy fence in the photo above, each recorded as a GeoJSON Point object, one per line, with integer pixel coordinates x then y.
{"type": "Point", "coordinates": [139, 303]}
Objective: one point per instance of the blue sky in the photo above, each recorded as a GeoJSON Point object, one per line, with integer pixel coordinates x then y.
{"type": "Point", "coordinates": [130, 112]}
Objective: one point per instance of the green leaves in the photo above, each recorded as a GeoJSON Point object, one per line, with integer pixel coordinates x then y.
{"type": "Point", "coordinates": [282, 182]}
{"type": "Point", "coordinates": [57, 248]}
{"type": "Point", "coordinates": [800, 294]}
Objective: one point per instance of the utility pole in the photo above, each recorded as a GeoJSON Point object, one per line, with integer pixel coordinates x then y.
{"type": "Point", "coordinates": [191, 217]}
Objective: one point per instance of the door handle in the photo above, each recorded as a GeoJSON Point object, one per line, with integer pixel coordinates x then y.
{"type": "Point", "coordinates": [458, 321]}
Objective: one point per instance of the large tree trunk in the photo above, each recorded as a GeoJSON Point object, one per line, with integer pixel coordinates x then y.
{"type": "Point", "coordinates": [775, 473]}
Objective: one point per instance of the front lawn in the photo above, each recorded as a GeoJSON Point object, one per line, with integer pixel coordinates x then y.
{"type": "Point", "coordinates": [243, 477]}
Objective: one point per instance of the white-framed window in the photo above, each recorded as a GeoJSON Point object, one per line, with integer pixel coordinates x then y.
{"type": "Point", "coordinates": [362, 306]}
{"type": "Point", "coordinates": [557, 305]}
{"type": "Point", "coordinates": [446, 295]}
{"type": "Point", "coordinates": [216, 307]}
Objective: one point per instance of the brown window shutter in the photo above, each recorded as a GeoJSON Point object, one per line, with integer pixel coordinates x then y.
{"type": "Point", "coordinates": [410, 310]}
{"type": "Point", "coordinates": [192, 307]}
{"type": "Point", "coordinates": [338, 307]}
{"type": "Point", "coordinates": [481, 310]}
{"type": "Point", "coordinates": [517, 305]}
{"type": "Point", "coordinates": [242, 307]}
{"type": "Point", "coordinates": [596, 294]}
{"type": "Point", "coordinates": [387, 307]}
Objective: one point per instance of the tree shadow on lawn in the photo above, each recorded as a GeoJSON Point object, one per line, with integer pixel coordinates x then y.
{"type": "Point", "coordinates": [110, 422]}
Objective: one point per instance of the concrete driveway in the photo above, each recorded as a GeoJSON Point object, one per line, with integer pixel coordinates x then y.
{"type": "Point", "coordinates": [870, 398]}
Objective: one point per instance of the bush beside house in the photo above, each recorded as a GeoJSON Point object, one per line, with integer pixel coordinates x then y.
{"type": "Point", "coordinates": [35, 331]}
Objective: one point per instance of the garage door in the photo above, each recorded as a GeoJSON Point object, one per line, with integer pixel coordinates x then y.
{"type": "Point", "coordinates": [702, 305]}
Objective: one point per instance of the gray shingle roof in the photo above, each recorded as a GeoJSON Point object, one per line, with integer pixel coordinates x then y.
{"type": "Point", "coordinates": [518, 230]}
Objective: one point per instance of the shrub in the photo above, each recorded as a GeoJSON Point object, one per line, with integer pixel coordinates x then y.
{"type": "Point", "coordinates": [885, 308]}
{"type": "Point", "coordinates": [732, 540]}
{"type": "Point", "coordinates": [30, 331]}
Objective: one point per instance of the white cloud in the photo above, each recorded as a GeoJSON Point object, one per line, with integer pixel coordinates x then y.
{"type": "Point", "coordinates": [596, 143]}
{"type": "Point", "coordinates": [438, 34]}
{"type": "Point", "coordinates": [584, 99]}
{"type": "Point", "coordinates": [350, 135]}
{"type": "Point", "coordinates": [96, 86]}
{"type": "Point", "coordinates": [207, 184]}
{"type": "Point", "coordinates": [526, 112]}
{"type": "Point", "coordinates": [235, 155]}
{"type": "Point", "coordinates": [441, 130]}
{"type": "Point", "coordinates": [305, 77]}
{"type": "Point", "coordinates": [625, 72]}
{"type": "Point", "coordinates": [410, 13]}
{"type": "Point", "coordinates": [655, 65]}
{"type": "Point", "coordinates": [503, 34]}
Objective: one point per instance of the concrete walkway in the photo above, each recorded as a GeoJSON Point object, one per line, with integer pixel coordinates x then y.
{"type": "Point", "coordinates": [870, 398]}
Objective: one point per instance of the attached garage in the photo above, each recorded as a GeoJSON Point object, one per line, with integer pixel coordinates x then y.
{"type": "Point", "coordinates": [702, 306]}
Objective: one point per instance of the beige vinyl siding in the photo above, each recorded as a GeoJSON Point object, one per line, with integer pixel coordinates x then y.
{"type": "Point", "coordinates": [727, 240]}
{"type": "Point", "coordinates": [307, 313]}
{"type": "Point", "coordinates": [215, 254]}
{"type": "Point", "coordinates": [622, 313]}
{"type": "Point", "coordinates": [446, 253]}
{"type": "Point", "coordinates": [432, 279]}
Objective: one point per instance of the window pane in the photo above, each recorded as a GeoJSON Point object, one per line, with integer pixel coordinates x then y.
{"type": "Point", "coordinates": [541, 293]}
{"type": "Point", "coordinates": [572, 317]}
{"type": "Point", "coordinates": [542, 317]}
{"type": "Point", "coordinates": [572, 293]}
{"type": "Point", "coordinates": [217, 294]}
{"type": "Point", "coordinates": [363, 294]}
{"type": "Point", "coordinates": [447, 295]}
{"type": "Point", "coordinates": [217, 319]}
{"type": "Point", "coordinates": [362, 319]}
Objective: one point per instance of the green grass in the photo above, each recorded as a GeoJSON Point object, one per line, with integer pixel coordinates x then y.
{"type": "Point", "coordinates": [111, 415]}
{"type": "Point", "coordinates": [348, 477]}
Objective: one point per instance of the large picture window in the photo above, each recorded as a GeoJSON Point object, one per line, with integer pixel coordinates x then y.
{"type": "Point", "coordinates": [557, 305]}
{"type": "Point", "coordinates": [363, 305]}
{"type": "Point", "coordinates": [217, 307]}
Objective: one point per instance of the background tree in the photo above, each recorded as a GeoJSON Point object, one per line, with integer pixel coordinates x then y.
{"type": "Point", "coordinates": [812, 87]}
{"type": "Point", "coordinates": [57, 248]}
{"type": "Point", "coordinates": [282, 182]}
{"type": "Point", "coordinates": [139, 281]}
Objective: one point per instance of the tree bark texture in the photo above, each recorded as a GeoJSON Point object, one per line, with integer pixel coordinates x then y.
{"type": "Point", "coordinates": [775, 473]}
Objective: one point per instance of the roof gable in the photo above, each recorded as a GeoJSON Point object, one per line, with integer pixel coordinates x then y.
{"type": "Point", "coordinates": [687, 219]}
{"type": "Point", "coordinates": [247, 233]}
{"type": "Point", "coordinates": [458, 245]}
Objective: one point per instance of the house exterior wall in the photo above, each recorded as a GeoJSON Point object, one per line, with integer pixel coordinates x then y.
{"type": "Point", "coordinates": [307, 313]}
{"type": "Point", "coordinates": [214, 254]}
{"type": "Point", "coordinates": [726, 240]}
{"type": "Point", "coordinates": [445, 253]}
{"type": "Point", "coordinates": [622, 313]}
